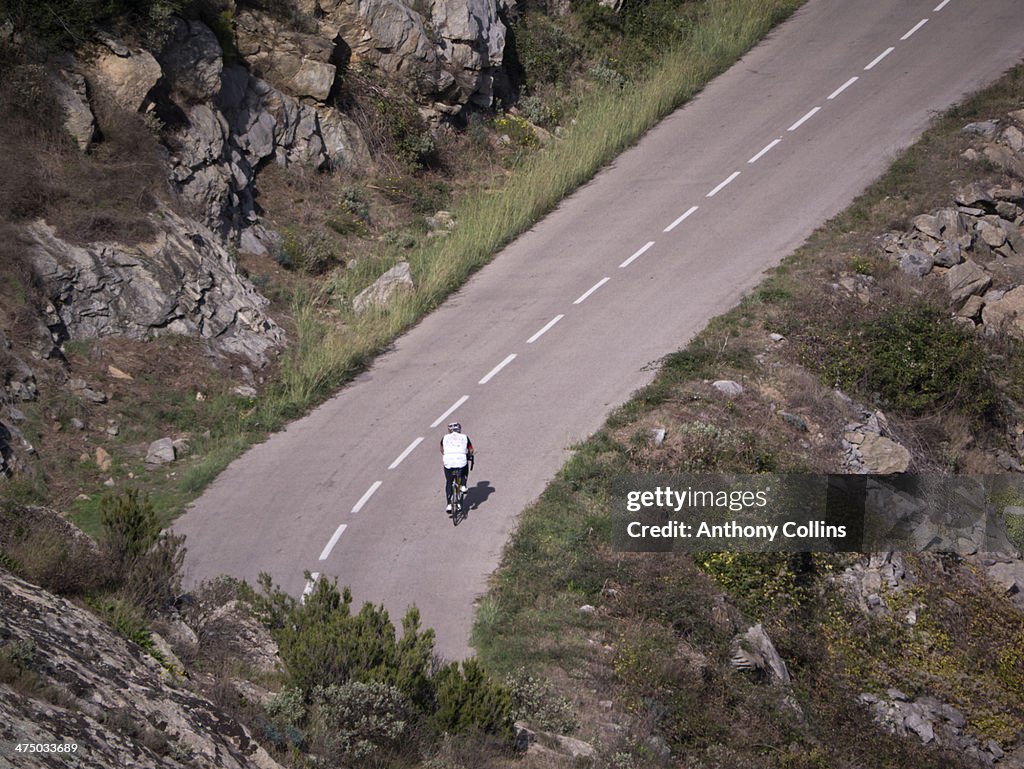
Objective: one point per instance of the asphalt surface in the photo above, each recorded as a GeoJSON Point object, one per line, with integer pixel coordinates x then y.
{"type": "Point", "coordinates": [628, 269]}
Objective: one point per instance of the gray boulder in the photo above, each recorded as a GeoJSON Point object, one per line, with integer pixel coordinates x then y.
{"type": "Point", "coordinates": [398, 278]}
{"type": "Point", "coordinates": [986, 128]}
{"type": "Point", "coordinates": [192, 61]}
{"type": "Point", "coordinates": [161, 452]}
{"type": "Point", "coordinates": [728, 387]}
{"type": "Point", "coordinates": [754, 651]}
{"type": "Point", "coordinates": [1007, 313]}
{"type": "Point", "coordinates": [126, 75]}
{"type": "Point", "coordinates": [73, 98]}
{"type": "Point", "coordinates": [916, 263]}
{"type": "Point", "coordinates": [966, 279]}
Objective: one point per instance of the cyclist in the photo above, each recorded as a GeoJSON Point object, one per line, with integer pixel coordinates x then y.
{"type": "Point", "coordinates": [457, 457]}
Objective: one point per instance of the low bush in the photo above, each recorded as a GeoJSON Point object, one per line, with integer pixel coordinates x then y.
{"type": "Point", "coordinates": [130, 527]}
{"type": "Point", "coordinates": [355, 689]}
{"type": "Point", "coordinates": [356, 721]}
{"type": "Point", "coordinates": [44, 549]}
{"type": "Point", "coordinates": [145, 563]}
{"type": "Point", "coordinates": [312, 251]}
{"type": "Point", "coordinates": [401, 132]}
{"type": "Point", "coordinates": [544, 49]}
{"type": "Point", "coordinates": [470, 699]}
{"type": "Point", "coordinates": [914, 359]}
{"type": "Point", "coordinates": [68, 23]}
{"type": "Point", "coordinates": [536, 701]}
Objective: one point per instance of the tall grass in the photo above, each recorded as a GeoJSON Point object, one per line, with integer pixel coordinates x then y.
{"type": "Point", "coordinates": [611, 120]}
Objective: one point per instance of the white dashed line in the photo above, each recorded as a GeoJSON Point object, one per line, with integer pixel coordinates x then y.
{"type": "Point", "coordinates": [363, 500]}
{"type": "Point", "coordinates": [310, 584]}
{"type": "Point", "coordinates": [493, 372]}
{"type": "Point", "coordinates": [544, 330]}
{"type": "Point", "coordinates": [940, 6]}
{"type": "Point", "coordinates": [880, 56]}
{"type": "Point", "coordinates": [591, 290]}
{"type": "Point", "coordinates": [679, 221]}
{"type": "Point", "coordinates": [767, 147]}
{"type": "Point", "coordinates": [444, 416]}
{"type": "Point", "coordinates": [722, 185]}
{"type": "Point", "coordinates": [637, 255]}
{"type": "Point", "coordinates": [843, 87]}
{"type": "Point", "coordinates": [334, 540]}
{"type": "Point", "coordinates": [803, 120]}
{"type": "Point", "coordinates": [405, 453]}
{"type": "Point", "coordinates": [914, 28]}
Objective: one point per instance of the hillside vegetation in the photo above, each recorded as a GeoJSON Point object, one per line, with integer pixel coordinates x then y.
{"type": "Point", "coordinates": [584, 85]}
{"type": "Point", "coordinates": [896, 660]}
{"type": "Point", "coordinates": [316, 681]}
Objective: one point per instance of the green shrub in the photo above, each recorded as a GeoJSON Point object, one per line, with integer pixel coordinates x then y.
{"type": "Point", "coordinates": [518, 130]}
{"type": "Point", "coordinates": [154, 579]}
{"type": "Point", "coordinates": [916, 359]}
{"type": "Point", "coordinates": [470, 699]}
{"type": "Point", "coordinates": [145, 563]}
{"type": "Point", "coordinates": [1015, 530]}
{"type": "Point", "coordinates": [130, 527]}
{"type": "Point", "coordinates": [322, 642]}
{"type": "Point", "coordinates": [862, 265]}
{"type": "Point", "coordinates": [287, 708]}
{"type": "Point", "coordinates": [536, 701]}
{"type": "Point", "coordinates": [312, 251]}
{"type": "Point", "coordinates": [17, 655]}
{"type": "Point", "coordinates": [355, 721]}
{"type": "Point", "coordinates": [403, 133]}
{"type": "Point", "coordinates": [545, 50]}
{"type": "Point", "coordinates": [603, 73]}
{"type": "Point", "coordinates": [354, 691]}
{"type": "Point", "coordinates": [126, 618]}
{"type": "Point", "coordinates": [536, 111]}
{"type": "Point", "coordinates": [67, 23]}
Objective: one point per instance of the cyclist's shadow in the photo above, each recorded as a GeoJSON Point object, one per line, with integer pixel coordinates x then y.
{"type": "Point", "coordinates": [476, 495]}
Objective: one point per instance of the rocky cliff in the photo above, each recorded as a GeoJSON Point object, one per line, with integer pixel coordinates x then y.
{"type": "Point", "coordinates": [220, 95]}
{"type": "Point", "coordinates": [66, 677]}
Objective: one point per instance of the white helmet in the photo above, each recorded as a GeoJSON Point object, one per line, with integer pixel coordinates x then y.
{"type": "Point", "coordinates": [454, 427]}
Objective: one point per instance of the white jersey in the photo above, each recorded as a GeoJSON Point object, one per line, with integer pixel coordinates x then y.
{"type": "Point", "coordinates": [453, 448]}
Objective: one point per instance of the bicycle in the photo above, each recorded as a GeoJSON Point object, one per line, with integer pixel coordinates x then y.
{"type": "Point", "coordinates": [458, 495]}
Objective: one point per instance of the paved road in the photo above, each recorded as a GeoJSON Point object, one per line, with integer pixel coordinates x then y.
{"type": "Point", "coordinates": [626, 270]}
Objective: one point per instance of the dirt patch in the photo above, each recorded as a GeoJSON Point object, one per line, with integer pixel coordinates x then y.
{"type": "Point", "coordinates": [162, 388]}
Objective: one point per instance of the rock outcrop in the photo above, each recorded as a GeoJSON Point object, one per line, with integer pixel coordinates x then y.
{"type": "Point", "coordinates": [977, 245]}
{"type": "Point", "coordinates": [934, 722]}
{"type": "Point", "coordinates": [229, 121]}
{"type": "Point", "coordinates": [449, 56]}
{"type": "Point", "coordinates": [126, 75]}
{"type": "Point", "coordinates": [754, 652]}
{"type": "Point", "coordinates": [274, 102]}
{"type": "Point", "coordinates": [868, 446]}
{"type": "Point", "coordinates": [108, 696]}
{"type": "Point", "coordinates": [182, 282]}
